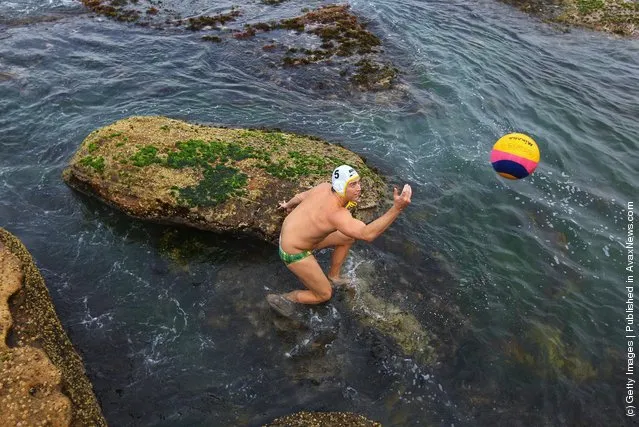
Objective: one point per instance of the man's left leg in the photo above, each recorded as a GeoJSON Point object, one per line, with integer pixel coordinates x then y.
{"type": "Point", "coordinates": [341, 244]}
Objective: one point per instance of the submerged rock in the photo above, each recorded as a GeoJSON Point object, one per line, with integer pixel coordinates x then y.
{"type": "Point", "coordinates": [330, 35]}
{"type": "Point", "coordinates": [546, 352]}
{"type": "Point", "coordinates": [412, 338]}
{"type": "Point", "coordinates": [42, 378]}
{"type": "Point", "coordinates": [343, 37]}
{"type": "Point", "coordinates": [211, 178]}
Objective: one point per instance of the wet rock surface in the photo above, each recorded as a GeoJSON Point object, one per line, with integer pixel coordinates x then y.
{"type": "Point", "coordinates": [323, 419]}
{"type": "Point", "coordinates": [210, 178]}
{"type": "Point", "coordinates": [42, 378]}
{"type": "Point", "coordinates": [620, 17]}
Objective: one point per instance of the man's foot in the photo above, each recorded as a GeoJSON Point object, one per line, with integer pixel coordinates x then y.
{"type": "Point", "coordinates": [281, 304]}
{"type": "Point", "coordinates": [339, 281]}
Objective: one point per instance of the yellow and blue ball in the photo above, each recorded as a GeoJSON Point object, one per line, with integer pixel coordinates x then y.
{"type": "Point", "coordinates": [515, 156]}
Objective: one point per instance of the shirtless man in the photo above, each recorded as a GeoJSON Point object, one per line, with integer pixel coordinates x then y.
{"type": "Point", "coordinates": [319, 218]}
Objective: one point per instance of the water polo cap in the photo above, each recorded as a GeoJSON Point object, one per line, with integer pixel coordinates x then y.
{"type": "Point", "coordinates": [342, 175]}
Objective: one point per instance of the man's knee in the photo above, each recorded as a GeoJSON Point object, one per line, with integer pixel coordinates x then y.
{"type": "Point", "coordinates": [324, 294]}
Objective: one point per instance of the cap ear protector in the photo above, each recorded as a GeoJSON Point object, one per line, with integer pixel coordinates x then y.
{"type": "Point", "coordinates": [342, 175]}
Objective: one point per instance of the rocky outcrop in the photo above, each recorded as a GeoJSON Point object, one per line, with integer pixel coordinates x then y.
{"type": "Point", "coordinates": [323, 419]}
{"type": "Point", "coordinates": [42, 378]}
{"type": "Point", "coordinates": [211, 178]}
{"type": "Point", "coordinates": [330, 35]}
{"type": "Point", "coordinates": [614, 16]}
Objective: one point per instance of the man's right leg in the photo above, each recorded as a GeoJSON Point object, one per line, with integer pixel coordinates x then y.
{"type": "Point", "coordinates": [312, 276]}
{"type": "Point", "coordinates": [341, 244]}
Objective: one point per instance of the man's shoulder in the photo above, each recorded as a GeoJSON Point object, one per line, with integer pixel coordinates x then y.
{"type": "Point", "coordinates": [320, 188]}
{"type": "Point", "coordinates": [338, 213]}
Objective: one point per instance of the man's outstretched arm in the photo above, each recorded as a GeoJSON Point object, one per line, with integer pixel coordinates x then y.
{"type": "Point", "coordinates": [356, 229]}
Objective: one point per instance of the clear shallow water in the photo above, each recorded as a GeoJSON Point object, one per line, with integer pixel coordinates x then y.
{"type": "Point", "coordinates": [534, 267]}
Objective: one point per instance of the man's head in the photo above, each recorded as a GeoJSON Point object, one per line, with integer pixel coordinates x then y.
{"type": "Point", "coordinates": [346, 182]}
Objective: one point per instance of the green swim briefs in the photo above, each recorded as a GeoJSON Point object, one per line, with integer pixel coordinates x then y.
{"type": "Point", "coordinates": [291, 258]}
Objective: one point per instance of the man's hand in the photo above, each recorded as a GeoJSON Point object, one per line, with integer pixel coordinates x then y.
{"type": "Point", "coordinates": [402, 200]}
{"type": "Point", "coordinates": [284, 205]}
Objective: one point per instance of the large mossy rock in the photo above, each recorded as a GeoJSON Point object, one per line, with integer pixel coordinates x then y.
{"type": "Point", "coordinates": [620, 17]}
{"type": "Point", "coordinates": [42, 378]}
{"type": "Point", "coordinates": [211, 178]}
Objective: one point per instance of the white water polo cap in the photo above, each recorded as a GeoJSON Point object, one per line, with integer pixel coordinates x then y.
{"type": "Point", "coordinates": [342, 175]}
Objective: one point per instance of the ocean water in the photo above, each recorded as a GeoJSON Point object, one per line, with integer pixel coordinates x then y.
{"type": "Point", "coordinates": [522, 283]}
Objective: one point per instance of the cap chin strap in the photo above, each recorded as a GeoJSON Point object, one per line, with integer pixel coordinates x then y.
{"type": "Point", "coordinates": [350, 204]}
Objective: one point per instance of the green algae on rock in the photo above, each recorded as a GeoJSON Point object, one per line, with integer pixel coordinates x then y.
{"type": "Point", "coordinates": [42, 381]}
{"type": "Point", "coordinates": [550, 356]}
{"type": "Point", "coordinates": [371, 75]}
{"type": "Point", "coordinates": [151, 12]}
{"type": "Point", "coordinates": [614, 16]}
{"type": "Point", "coordinates": [390, 320]}
{"type": "Point", "coordinates": [211, 178]}
{"type": "Point", "coordinates": [113, 9]}
{"type": "Point", "coordinates": [200, 22]}
{"type": "Point", "coordinates": [342, 35]}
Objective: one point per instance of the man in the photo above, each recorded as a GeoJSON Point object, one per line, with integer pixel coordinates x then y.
{"type": "Point", "coordinates": [319, 218]}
